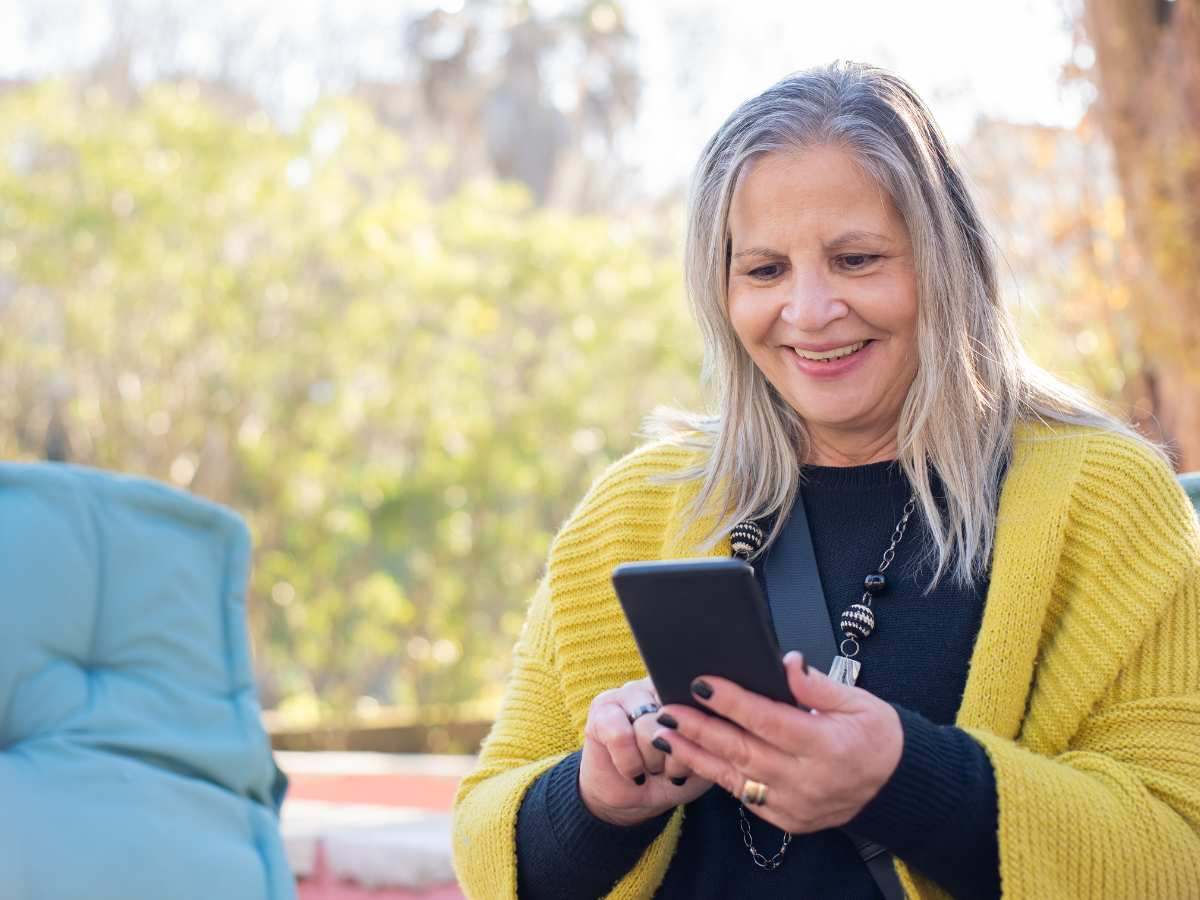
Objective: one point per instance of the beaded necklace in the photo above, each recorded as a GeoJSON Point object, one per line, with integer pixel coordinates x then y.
{"type": "Point", "coordinates": [856, 624]}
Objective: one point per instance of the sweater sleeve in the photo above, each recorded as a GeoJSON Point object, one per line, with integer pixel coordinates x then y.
{"type": "Point", "coordinates": [563, 850]}
{"type": "Point", "coordinates": [938, 810]}
{"type": "Point", "coordinates": [531, 735]}
{"type": "Point", "coordinates": [1099, 794]}
{"type": "Point", "coordinates": [537, 726]}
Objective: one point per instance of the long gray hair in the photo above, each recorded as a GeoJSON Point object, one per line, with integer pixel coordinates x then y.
{"type": "Point", "coordinates": [974, 380]}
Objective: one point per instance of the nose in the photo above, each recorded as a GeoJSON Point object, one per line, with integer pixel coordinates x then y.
{"type": "Point", "coordinates": [812, 301]}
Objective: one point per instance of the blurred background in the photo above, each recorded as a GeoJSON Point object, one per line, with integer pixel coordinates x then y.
{"type": "Point", "coordinates": [396, 281]}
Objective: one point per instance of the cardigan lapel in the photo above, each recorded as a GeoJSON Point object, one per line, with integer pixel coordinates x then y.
{"type": "Point", "coordinates": [1030, 527]}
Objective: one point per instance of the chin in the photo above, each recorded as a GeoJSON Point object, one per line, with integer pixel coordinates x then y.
{"type": "Point", "coordinates": [833, 423]}
{"type": "Point", "coordinates": [835, 416]}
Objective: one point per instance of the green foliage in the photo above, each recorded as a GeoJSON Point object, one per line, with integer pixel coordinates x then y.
{"type": "Point", "coordinates": [404, 400]}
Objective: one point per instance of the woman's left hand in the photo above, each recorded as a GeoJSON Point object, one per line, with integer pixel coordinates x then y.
{"type": "Point", "coordinates": [820, 768]}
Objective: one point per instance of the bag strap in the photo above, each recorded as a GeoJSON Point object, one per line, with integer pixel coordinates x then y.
{"type": "Point", "coordinates": [801, 620]}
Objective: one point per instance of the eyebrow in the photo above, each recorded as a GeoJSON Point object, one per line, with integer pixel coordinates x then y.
{"type": "Point", "coordinates": [838, 243]}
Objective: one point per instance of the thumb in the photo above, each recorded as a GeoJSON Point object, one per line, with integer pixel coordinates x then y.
{"type": "Point", "coordinates": [813, 688]}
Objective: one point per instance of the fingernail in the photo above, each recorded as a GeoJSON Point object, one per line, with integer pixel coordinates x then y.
{"type": "Point", "coordinates": [660, 744]}
{"type": "Point", "coordinates": [679, 782]}
{"type": "Point", "coordinates": [803, 664]}
{"type": "Point", "coordinates": [666, 720]}
{"type": "Point", "coordinates": [641, 779]}
{"type": "Point", "coordinates": [701, 689]}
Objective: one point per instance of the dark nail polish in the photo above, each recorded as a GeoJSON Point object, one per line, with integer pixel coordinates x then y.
{"type": "Point", "coordinates": [666, 720]}
{"type": "Point", "coordinates": [660, 744]}
{"type": "Point", "coordinates": [641, 779]}
{"type": "Point", "coordinates": [701, 689]}
{"type": "Point", "coordinates": [803, 665]}
{"type": "Point", "coordinates": [679, 782]}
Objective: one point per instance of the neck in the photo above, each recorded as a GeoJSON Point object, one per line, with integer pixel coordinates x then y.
{"type": "Point", "coordinates": [833, 449]}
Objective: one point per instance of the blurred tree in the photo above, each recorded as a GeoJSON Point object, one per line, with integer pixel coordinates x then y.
{"type": "Point", "coordinates": [1067, 262]}
{"type": "Point", "coordinates": [1147, 77]}
{"type": "Point", "coordinates": [403, 398]}
{"type": "Point", "coordinates": [541, 97]}
{"type": "Point", "coordinates": [534, 92]}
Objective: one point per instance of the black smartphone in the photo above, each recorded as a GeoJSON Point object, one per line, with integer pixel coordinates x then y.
{"type": "Point", "coordinates": [696, 617]}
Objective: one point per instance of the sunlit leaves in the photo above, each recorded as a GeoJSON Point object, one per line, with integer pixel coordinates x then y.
{"type": "Point", "coordinates": [404, 399]}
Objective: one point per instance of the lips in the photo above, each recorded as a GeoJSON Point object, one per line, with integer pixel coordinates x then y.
{"type": "Point", "coordinates": [832, 368]}
{"type": "Point", "coordinates": [829, 353]}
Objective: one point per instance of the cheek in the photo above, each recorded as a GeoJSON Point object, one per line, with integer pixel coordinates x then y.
{"type": "Point", "coordinates": [902, 323]}
{"type": "Point", "coordinates": [737, 319]}
{"type": "Point", "coordinates": [893, 308]}
{"type": "Point", "coordinates": [748, 320]}
{"type": "Point", "coordinates": [906, 312]}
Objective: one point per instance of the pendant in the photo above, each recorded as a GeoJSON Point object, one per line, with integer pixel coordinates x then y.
{"type": "Point", "coordinates": [845, 670]}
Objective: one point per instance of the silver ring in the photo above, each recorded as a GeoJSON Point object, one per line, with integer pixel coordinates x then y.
{"type": "Point", "coordinates": [642, 710]}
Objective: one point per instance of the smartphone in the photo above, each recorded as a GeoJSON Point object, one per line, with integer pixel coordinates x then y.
{"type": "Point", "coordinates": [695, 617]}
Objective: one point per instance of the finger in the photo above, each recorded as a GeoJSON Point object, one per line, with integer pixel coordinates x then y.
{"type": "Point", "coordinates": [779, 724]}
{"type": "Point", "coordinates": [675, 769]}
{"type": "Point", "coordinates": [609, 726]}
{"type": "Point", "coordinates": [699, 762]}
{"type": "Point", "coordinates": [713, 769]}
{"type": "Point", "coordinates": [652, 758]}
{"type": "Point", "coordinates": [634, 698]}
{"type": "Point", "coordinates": [745, 752]}
{"type": "Point", "coordinates": [651, 690]}
{"type": "Point", "coordinates": [815, 689]}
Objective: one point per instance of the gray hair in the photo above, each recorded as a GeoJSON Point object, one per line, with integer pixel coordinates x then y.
{"type": "Point", "coordinates": [974, 380]}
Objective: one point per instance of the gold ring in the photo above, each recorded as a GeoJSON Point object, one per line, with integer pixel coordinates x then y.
{"type": "Point", "coordinates": [754, 793]}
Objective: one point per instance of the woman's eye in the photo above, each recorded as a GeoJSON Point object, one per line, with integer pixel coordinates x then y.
{"type": "Point", "coordinates": [765, 273]}
{"type": "Point", "coordinates": [858, 260]}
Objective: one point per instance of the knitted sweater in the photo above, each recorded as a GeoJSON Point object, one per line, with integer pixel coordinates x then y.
{"type": "Point", "coordinates": [916, 658]}
{"type": "Point", "coordinates": [1084, 686]}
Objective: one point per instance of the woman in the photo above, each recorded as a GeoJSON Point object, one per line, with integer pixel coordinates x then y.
{"type": "Point", "coordinates": [1026, 720]}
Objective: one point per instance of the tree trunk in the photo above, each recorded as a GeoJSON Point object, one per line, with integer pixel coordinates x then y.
{"type": "Point", "coordinates": [1147, 76]}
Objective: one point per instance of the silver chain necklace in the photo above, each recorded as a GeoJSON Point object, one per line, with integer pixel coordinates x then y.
{"type": "Point", "coordinates": [857, 623]}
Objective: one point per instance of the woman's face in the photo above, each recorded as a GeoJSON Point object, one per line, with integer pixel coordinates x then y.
{"type": "Point", "coordinates": [823, 292]}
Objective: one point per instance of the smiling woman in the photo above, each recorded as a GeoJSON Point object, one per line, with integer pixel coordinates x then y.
{"type": "Point", "coordinates": [1013, 574]}
{"type": "Point", "coordinates": [830, 316]}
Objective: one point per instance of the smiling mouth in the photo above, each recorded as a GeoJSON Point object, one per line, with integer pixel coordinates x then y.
{"type": "Point", "coordinates": [830, 355]}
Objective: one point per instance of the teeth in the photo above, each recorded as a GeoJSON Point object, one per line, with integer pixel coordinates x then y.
{"type": "Point", "coordinates": [828, 355]}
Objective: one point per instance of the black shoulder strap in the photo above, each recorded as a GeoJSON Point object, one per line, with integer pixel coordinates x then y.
{"type": "Point", "coordinates": [795, 595]}
{"type": "Point", "coordinates": [801, 619]}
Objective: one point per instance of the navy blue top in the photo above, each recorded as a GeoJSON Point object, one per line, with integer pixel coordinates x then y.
{"type": "Point", "coordinates": [937, 812]}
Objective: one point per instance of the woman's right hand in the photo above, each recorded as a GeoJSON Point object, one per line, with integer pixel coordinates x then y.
{"type": "Point", "coordinates": [623, 778]}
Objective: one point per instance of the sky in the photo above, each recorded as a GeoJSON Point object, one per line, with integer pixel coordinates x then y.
{"type": "Point", "coordinates": [966, 58]}
{"type": "Point", "coordinates": [699, 58]}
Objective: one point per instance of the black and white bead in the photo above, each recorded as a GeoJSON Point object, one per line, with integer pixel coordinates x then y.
{"type": "Point", "coordinates": [745, 539]}
{"type": "Point", "coordinates": [858, 622]}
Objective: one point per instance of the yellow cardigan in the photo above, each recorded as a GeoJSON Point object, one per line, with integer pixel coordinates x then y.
{"type": "Point", "coordinates": [1084, 684]}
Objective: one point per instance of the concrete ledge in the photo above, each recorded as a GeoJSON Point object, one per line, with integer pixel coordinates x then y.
{"type": "Point", "coordinates": [374, 846]}
{"type": "Point", "coordinates": [414, 856]}
{"type": "Point", "coordinates": [379, 821]}
{"type": "Point", "coordinates": [364, 763]}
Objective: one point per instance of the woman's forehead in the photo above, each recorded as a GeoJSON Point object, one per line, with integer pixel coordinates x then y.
{"type": "Point", "coordinates": [823, 189]}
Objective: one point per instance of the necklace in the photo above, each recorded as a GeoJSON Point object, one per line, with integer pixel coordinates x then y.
{"type": "Point", "coordinates": [858, 621]}
{"type": "Point", "coordinates": [856, 624]}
